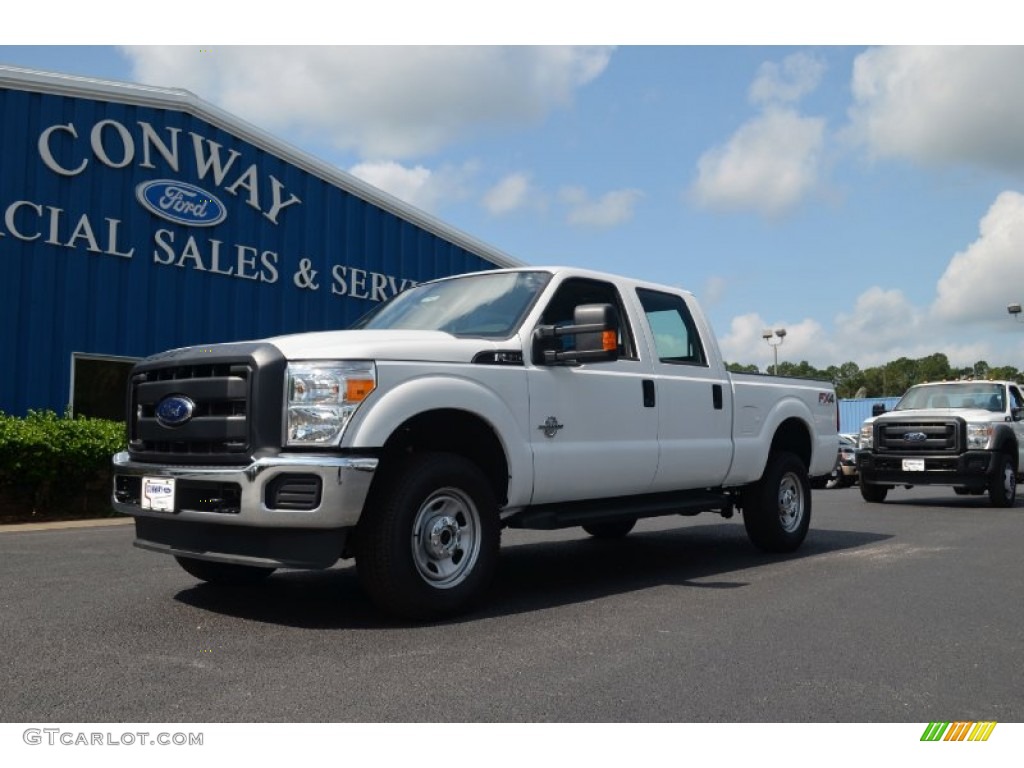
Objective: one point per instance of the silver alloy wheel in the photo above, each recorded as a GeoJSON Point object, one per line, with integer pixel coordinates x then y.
{"type": "Point", "coordinates": [446, 538]}
{"type": "Point", "coordinates": [791, 502]}
{"type": "Point", "coordinates": [1009, 480]}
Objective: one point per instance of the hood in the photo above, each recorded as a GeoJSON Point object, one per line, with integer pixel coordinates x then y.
{"type": "Point", "coordinates": [923, 414]}
{"type": "Point", "coordinates": [426, 346]}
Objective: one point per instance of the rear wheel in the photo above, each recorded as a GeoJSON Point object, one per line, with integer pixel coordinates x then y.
{"type": "Point", "coordinates": [777, 509]}
{"type": "Point", "coordinates": [223, 573]}
{"type": "Point", "coordinates": [610, 530]}
{"type": "Point", "coordinates": [1002, 484]}
{"type": "Point", "coordinates": [428, 544]}
{"type": "Point", "coordinates": [873, 493]}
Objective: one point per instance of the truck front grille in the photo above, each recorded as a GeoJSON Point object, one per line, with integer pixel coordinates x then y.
{"type": "Point", "coordinates": [214, 390]}
{"type": "Point", "coordinates": [918, 437]}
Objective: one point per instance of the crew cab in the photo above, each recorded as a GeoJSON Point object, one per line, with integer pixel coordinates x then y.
{"type": "Point", "coordinates": [967, 434]}
{"type": "Point", "coordinates": [537, 398]}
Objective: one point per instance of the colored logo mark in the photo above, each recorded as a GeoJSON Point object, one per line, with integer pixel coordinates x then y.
{"type": "Point", "coordinates": [958, 731]}
{"type": "Point", "coordinates": [181, 202]}
{"type": "Point", "coordinates": [174, 410]}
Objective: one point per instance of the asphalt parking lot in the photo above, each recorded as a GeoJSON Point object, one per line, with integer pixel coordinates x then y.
{"type": "Point", "coordinates": [908, 611]}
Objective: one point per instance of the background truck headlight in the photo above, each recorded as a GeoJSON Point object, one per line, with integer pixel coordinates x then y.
{"type": "Point", "coordinates": [321, 396]}
{"type": "Point", "coordinates": [978, 435]}
{"type": "Point", "coordinates": [867, 436]}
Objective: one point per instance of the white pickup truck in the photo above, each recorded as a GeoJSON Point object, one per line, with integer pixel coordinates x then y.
{"type": "Point", "coordinates": [529, 398]}
{"type": "Point", "coordinates": [967, 434]}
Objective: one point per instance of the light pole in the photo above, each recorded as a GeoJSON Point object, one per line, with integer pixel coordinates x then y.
{"type": "Point", "coordinates": [780, 333]}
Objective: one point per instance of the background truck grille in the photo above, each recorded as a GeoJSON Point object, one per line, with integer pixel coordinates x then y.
{"type": "Point", "coordinates": [224, 383]}
{"type": "Point", "coordinates": [918, 437]}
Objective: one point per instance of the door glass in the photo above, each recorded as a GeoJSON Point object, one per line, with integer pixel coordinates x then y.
{"type": "Point", "coordinates": [675, 335]}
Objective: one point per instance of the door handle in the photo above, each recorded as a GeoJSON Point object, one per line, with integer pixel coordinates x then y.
{"type": "Point", "coordinates": [716, 396]}
{"type": "Point", "coordinates": [648, 387]}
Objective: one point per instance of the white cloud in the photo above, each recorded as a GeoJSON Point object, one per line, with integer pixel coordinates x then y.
{"type": "Point", "coordinates": [797, 75]}
{"type": "Point", "coordinates": [378, 101]}
{"type": "Point", "coordinates": [509, 194]}
{"type": "Point", "coordinates": [990, 271]}
{"type": "Point", "coordinates": [966, 321]}
{"type": "Point", "coordinates": [939, 105]}
{"type": "Point", "coordinates": [418, 186]}
{"type": "Point", "coordinates": [769, 165]}
{"type": "Point", "coordinates": [805, 340]}
{"type": "Point", "coordinates": [611, 209]}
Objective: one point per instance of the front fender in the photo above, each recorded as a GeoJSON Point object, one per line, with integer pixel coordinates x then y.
{"type": "Point", "coordinates": [373, 425]}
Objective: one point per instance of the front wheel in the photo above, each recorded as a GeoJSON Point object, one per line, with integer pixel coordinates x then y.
{"type": "Point", "coordinates": [1002, 484]}
{"type": "Point", "coordinates": [777, 509]}
{"type": "Point", "coordinates": [223, 573]}
{"type": "Point", "coordinates": [427, 545]}
{"type": "Point", "coordinates": [873, 493]}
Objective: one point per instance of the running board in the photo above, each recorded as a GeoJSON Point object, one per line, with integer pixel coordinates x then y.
{"type": "Point", "coordinates": [549, 517]}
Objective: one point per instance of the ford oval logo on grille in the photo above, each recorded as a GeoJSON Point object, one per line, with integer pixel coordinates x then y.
{"type": "Point", "coordinates": [914, 437]}
{"type": "Point", "coordinates": [181, 202]}
{"type": "Point", "coordinates": [174, 410]}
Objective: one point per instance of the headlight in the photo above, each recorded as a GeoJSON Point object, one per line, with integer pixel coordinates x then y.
{"type": "Point", "coordinates": [867, 436]}
{"type": "Point", "coordinates": [978, 435]}
{"type": "Point", "coordinates": [320, 398]}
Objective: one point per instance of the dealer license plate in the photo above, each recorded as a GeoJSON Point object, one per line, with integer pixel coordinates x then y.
{"type": "Point", "coordinates": [913, 465]}
{"type": "Point", "coordinates": [158, 494]}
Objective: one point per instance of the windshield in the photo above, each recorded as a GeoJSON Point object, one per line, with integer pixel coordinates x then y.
{"type": "Point", "coordinates": [489, 305]}
{"type": "Point", "coordinates": [956, 394]}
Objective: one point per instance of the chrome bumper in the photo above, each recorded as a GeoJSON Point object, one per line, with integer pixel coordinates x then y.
{"type": "Point", "coordinates": [344, 484]}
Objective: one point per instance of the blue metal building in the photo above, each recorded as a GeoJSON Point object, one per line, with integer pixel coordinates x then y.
{"type": "Point", "coordinates": [853, 412]}
{"type": "Point", "coordinates": [137, 219]}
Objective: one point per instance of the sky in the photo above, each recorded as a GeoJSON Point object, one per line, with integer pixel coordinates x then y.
{"type": "Point", "coordinates": [868, 199]}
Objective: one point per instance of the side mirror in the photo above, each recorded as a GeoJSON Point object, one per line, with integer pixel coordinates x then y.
{"type": "Point", "coordinates": [595, 330]}
{"type": "Point", "coordinates": [878, 409]}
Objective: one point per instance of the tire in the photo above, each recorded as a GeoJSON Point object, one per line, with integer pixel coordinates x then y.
{"type": "Point", "coordinates": [874, 493]}
{"type": "Point", "coordinates": [615, 529]}
{"type": "Point", "coordinates": [1002, 483]}
{"type": "Point", "coordinates": [223, 573]}
{"type": "Point", "coordinates": [777, 509]}
{"type": "Point", "coordinates": [427, 545]}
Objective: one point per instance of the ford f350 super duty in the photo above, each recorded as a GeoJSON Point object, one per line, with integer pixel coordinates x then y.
{"type": "Point", "coordinates": [536, 398]}
{"type": "Point", "coordinates": [967, 434]}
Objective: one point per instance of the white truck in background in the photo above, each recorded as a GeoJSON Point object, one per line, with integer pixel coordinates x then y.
{"type": "Point", "coordinates": [528, 398]}
{"type": "Point", "coordinates": [967, 434]}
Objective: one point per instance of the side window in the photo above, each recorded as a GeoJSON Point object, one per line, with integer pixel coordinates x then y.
{"type": "Point", "coordinates": [675, 335]}
{"type": "Point", "coordinates": [1016, 401]}
{"type": "Point", "coordinates": [576, 291]}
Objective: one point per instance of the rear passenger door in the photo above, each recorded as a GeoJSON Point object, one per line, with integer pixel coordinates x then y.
{"type": "Point", "coordinates": [694, 402]}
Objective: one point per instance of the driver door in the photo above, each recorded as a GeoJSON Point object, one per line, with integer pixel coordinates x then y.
{"type": "Point", "coordinates": [594, 430]}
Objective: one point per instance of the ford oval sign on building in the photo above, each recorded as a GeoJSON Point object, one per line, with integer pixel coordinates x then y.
{"type": "Point", "coordinates": [181, 203]}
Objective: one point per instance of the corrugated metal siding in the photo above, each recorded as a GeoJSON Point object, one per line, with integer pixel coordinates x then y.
{"type": "Point", "coordinates": [852, 413]}
{"type": "Point", "coordinates": [59, 296]}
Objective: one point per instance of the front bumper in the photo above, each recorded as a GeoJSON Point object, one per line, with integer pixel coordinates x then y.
{"type": "Point", "coordinates": [288, 510]}
{"type": "Point", "coordinates": [970, 470]}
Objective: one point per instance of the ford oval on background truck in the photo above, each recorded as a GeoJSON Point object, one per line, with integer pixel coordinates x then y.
{"type": "Point", "coordinates": [528, 398]}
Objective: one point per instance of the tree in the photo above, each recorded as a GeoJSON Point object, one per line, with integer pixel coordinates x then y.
{"type": "Point", "coordinates": [740, 368]}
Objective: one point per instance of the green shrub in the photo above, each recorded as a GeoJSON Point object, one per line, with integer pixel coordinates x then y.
{"type": "Point", "coordinates": [55, 457]}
